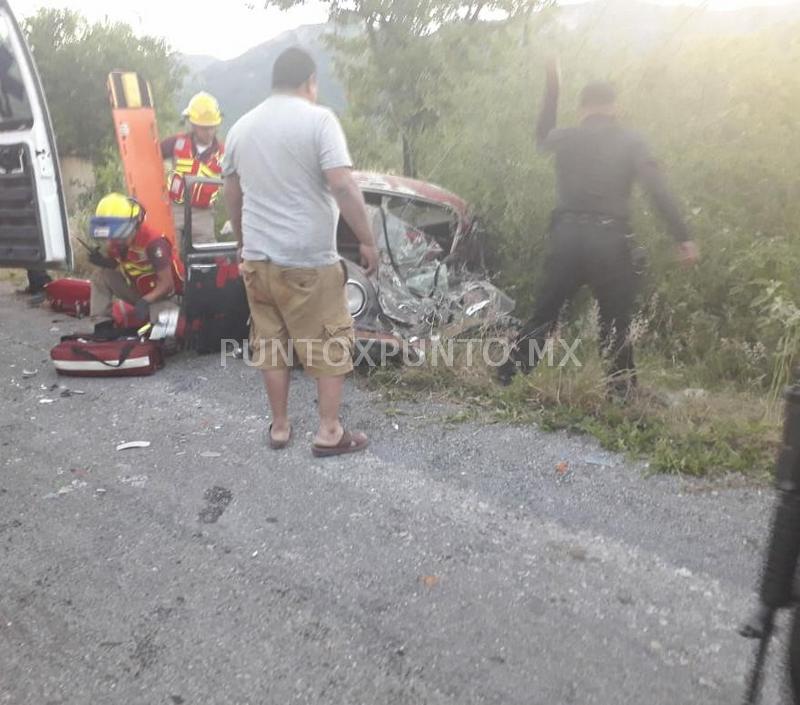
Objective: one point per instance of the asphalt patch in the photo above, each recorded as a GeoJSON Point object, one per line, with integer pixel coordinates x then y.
{"type": "Point", "coordinates": [217, 501]}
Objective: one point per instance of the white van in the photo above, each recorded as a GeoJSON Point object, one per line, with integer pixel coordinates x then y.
{"type": "Point", "coordinates": [33, 216]}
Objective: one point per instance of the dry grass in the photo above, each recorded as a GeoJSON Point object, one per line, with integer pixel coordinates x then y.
{"type": "Point", "coordinates": [678, 429]}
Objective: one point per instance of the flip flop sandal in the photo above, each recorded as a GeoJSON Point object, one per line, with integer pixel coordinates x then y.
{"type": "Point", "coordinates": [279, 445]}
{"type": "Point", "coordinates": [349, 443]}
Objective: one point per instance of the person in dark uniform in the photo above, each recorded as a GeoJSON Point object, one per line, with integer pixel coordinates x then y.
{"type": "Point", "coordinates": [596, 163]}
{"type": "Point", "coordinates": [37, 280]}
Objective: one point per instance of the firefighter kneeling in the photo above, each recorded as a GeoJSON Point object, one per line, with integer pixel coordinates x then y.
{"type": "Point", "coordinates": [139, 265]}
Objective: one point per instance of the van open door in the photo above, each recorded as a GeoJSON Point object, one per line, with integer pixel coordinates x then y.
{"type": "Point", "coordinates": [33, 218]}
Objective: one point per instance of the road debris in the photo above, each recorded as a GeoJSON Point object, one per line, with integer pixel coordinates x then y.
{"type": "Point", "coordinates": [599, 460]}
{"type": "Point", "coordinates": [133, 444]}
{"type": "Point", "coordinates": [46, 401]}
{"type": "Point", "coordinates": [210, 454]}
{"type": "Point", "coordinates": [67, 392]}
{"type": "Point", "coordinates": [562, 467]}
{"type": "Point", "coordinates": [429, 581]}
{"type": "Point", "coordinates": [138, 481]}
{"type": "Point", "coordinates": [27, 374]}
{"type": "Point", "coordinates": [66, 489]}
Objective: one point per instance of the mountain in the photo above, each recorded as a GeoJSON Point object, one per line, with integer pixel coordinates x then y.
{"type": "Point", "coordinates": [242, 83]}
{"type": "Point", "coordinates": [196, 63]}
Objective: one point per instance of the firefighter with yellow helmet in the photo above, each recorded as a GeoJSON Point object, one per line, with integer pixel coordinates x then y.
{"type": "Point", "coordinates": [135, 263]}
{"type": "Point", "coordinates": [197, 152]}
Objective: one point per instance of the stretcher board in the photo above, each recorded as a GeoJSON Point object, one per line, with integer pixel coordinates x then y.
{"type": "Point", "coordinates": [134, 116]}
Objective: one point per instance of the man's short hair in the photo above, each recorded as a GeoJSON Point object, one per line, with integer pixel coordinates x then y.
{"type": "Point", "coordinates": [598, 94]}
{"type": "Point", "coordinates": [292, 69]}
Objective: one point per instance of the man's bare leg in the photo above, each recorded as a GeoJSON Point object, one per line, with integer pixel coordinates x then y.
{"type": "Point", "coordinates": [329, 391]}
{"type": "Point", "coordinates": [277, 385]}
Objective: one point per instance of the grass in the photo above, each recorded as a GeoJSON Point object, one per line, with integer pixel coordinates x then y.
{"type": "Point", "coordinates": [15, 277]}
{"type": "Point", "coordinates": [677, 428]}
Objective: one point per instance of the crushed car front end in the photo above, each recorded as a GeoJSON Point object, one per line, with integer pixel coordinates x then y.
{"type": "Point", "coordinates": [432, 280]}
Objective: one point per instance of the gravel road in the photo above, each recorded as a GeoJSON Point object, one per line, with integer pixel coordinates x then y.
{"type": "Point", "coordinates": [449, 564]}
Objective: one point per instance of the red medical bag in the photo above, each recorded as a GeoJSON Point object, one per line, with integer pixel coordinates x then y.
{"type": "Point", "coordinates": [70, 296]}
{"type": "Point", "coordinates": [93, 356]}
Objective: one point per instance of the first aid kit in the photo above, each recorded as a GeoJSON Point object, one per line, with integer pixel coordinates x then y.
{"type": "Point", "coordinates": [70, 296]}
{"type": "Point", "coordinates": [89, 355]}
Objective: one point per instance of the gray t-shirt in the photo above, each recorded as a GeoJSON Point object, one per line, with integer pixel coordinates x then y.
{"type": "Point", "coordinates": [279, 150]}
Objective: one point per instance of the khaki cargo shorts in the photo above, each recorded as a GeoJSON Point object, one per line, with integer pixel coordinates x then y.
{"type": "Point", "coordinates": [299, 313]}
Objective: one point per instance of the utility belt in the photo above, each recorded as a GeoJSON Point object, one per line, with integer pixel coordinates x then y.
{"type": "Point", "coordinates": [617, 227]}
{"type": "Point", "coordinates": [599, 220]}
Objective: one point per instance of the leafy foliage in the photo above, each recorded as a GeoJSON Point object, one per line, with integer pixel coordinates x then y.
{"type": "Point", "coordinates": [722, 116]}
{"type": "Point", "coordinates": [393, 66]}
{"type": "Point", "coordinates": [74, 58]}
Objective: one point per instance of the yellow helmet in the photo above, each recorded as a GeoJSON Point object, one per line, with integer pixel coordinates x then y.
{"type": "Point", "coordinates": [116, 217]}
{"type": "Point", "coordinates": [203, 110]}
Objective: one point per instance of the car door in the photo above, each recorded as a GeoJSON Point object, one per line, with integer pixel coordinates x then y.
{"type": "Point", "coordinates": [33, 219]}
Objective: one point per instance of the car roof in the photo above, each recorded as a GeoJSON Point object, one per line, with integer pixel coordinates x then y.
{"type": "Point", "coordinates": [404, 186]}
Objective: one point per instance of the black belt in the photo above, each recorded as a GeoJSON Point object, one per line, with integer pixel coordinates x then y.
{"type": "Point", "coordinates": [597, 219]}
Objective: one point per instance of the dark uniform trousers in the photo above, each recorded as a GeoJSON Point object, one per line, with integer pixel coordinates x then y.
{"type": "Point", "coordinates": [36, 280]}
{"type": "Point", "coordinates": [595, 251]}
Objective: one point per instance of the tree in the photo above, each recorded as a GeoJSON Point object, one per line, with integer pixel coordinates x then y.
{"type": "Point", "coordinates": [74, 58]}
{"type": "Point", "coordinates": [395, 65]}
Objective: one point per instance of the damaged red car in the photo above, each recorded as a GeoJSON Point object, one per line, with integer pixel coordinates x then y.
{"type": "Point", "coordinates": [432, 280]}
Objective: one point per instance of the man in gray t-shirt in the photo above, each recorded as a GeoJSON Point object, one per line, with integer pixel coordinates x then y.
{"type": "Point", "coordinates": [288, 174]}
{"type": "Point", "coordinates": [281, 150]}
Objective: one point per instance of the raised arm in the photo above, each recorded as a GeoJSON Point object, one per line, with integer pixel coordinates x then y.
{"type": "Point", "coordinates": [549, 110]}
{"type": "Point", "coordinates": [351, 203]}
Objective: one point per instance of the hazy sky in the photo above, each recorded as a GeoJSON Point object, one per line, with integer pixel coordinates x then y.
{"type": "Point", "coordinates": [226, 28]}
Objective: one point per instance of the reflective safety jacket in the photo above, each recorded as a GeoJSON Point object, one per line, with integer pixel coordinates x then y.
{"type": "Point", "coordinates": [149, 252]}
{"type": "Point", "coordinates": [185, 162]}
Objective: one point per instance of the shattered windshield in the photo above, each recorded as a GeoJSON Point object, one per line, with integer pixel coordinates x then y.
{"type": "Point", "coordinates": [415, 255]}
{"type": "Point", "coordinates": [416, 237]}
{"type": "Point", "coordinates": [15, 109]}
{"type": "Point", "coordinates": [436, 222]}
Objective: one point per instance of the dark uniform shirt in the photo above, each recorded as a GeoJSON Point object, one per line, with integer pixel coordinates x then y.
{"type": "Point", "coordinates": [597, 164]}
